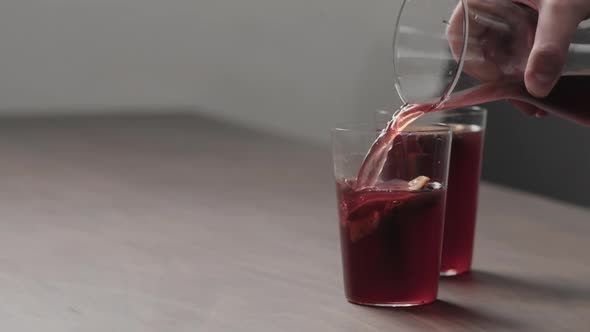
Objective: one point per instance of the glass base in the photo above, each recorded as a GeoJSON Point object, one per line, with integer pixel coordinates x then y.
{"type": "Point", "coordinates": [392, 304]}
{"type": "Point", "coordinates": [452, 273]}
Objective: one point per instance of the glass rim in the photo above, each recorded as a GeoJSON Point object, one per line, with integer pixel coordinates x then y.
{"type": "Point", "coordinates": [367, 127]}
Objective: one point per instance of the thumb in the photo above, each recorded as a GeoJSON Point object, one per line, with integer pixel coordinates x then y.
{"type": "Point", "coordinates": [558, 21]}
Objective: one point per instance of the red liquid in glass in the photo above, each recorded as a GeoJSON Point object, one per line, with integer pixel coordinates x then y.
{"type": "Point", "coordinates": [391, 242]}
{"type": "Point", "coordinates": [462, 195]}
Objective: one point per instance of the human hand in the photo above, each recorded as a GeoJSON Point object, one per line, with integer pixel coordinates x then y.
{"type": "Point", "coordinates": [518, 39]}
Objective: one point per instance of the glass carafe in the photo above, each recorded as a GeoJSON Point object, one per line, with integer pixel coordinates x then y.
{"type": "Point", "coordinates": [454, 53]}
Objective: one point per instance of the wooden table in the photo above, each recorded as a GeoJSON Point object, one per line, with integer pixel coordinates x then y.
{"type": "Point", "coordinates": [177, 223]}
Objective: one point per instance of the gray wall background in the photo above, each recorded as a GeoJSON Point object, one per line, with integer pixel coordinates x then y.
{"type": "Point", "coordinates": [295, 67]}
{"type": "Point", "coordinates": [548, 156]}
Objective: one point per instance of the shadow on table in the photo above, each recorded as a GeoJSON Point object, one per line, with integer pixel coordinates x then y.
{"type": "Point", "coordinates": [498, 285]}
{"type": "Point", "coordinates": [446, 316]}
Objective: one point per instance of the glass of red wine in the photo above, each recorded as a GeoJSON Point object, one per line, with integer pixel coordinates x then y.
{"type": "Point", "coordinates": [391, 233]}
{"type": "Point", "coordinates": [468, 127]}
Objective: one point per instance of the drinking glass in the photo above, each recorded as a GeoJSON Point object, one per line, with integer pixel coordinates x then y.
{"type": "Point", "coordinates": [468, 126]}
{"type": "Point", "coordinates": [391, 233]}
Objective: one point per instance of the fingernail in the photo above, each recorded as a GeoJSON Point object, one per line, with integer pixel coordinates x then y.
{"type": "Point", "coordinates": [543, 83]}
{"type": "Point", "coordinates": [543, 78]}
{"type": "Point", "coordinates": [545, 73]}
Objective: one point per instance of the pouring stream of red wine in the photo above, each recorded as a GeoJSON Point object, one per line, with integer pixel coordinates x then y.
{"type": "Point", "coordinates": [559, 102]}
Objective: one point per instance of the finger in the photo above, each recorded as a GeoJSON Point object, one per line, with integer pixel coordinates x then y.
{"type": "Point", "coordinates": [479, 23]}
{"type": "Point", "coordinates": [558, 20]}
{"type": "Point", "coordinates": [501, 16]}
{"type": "Point", "coordinates": [496, 46]}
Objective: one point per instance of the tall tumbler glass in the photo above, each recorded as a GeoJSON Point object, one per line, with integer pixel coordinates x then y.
{"type": "Point", "coordinates": [468, 126]}
{"type": "Point", "coordinates": [391, 233]}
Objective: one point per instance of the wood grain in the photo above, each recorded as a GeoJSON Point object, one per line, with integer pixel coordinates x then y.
{"type": "Point", "coordinates": [179, 223]}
